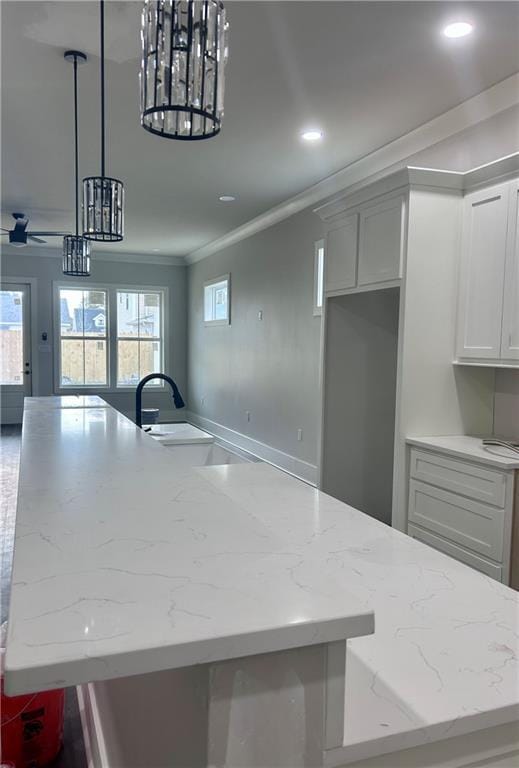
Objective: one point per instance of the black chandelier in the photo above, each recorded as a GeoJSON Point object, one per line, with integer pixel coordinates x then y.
{"type": "Point", "coordinates": [184, 51]}
{"type": "Point", "coordinates": [103, 196]}
{"type": "Point", "coordinates": [76, 250]}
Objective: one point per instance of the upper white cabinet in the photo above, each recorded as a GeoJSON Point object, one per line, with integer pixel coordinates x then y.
{"type": "Point", "coordinates": [488, 306]}
{"type": "Point", "coordinates": [364, 248]}
{"type": "Point", "coordinates": [380, 242]}
{"type": "Point", "coordinates": [341, 254]}
{"type": "Point", "coordinates": [510, 333]}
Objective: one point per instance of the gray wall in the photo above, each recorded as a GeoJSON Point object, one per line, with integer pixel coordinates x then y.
{"type": "Point", "coordinates": [268, 367]}
{"type": "Point", "coordinates": [360, 397]}
{"type": "Point", "coordinates": [48, 269]}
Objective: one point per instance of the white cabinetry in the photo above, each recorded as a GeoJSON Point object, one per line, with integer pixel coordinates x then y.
{"type": "Point", "coordinates": [380, 242]}
{"type": "Point", "coordinates": [510, 334]}
{"type": "Point", "coordinates": [488, 303]}
{"type": "Point", "coordinates": [341, 254]}
{"type": "Point", "coordinates": [364, 247]}
{"type": "Point", "coordinates": [463, 509]}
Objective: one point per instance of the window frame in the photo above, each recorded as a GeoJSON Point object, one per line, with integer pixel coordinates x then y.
{"type": "Point", "coordinates": [318, 309]}
{"type": "Point", "coordinates": [159, 383]}
{"type": "Point", "coordinates": [207, 284]}
{"type": "Point", "coordinates": [111, 338]}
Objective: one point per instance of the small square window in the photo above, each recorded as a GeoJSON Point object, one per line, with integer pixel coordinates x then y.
{"type": "Point", "coordinates": [217, 301]}
{"type": "Point", "coordinates": [318, 277]}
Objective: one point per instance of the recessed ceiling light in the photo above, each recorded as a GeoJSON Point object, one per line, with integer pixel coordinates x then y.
{"type": "Point", "coordinates": [458, 29]}
{"type": "Point", "coordinates": [155, 249]}
{"type": "Point", "coordinates": [227, 198]}
{"type": "Point", "coordinates": [312, 135]}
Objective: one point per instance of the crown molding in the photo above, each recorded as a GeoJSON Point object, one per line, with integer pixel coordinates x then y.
{"type": "Point", "coordinates": [120, 256]}
{"type": "Point", "coordinates": [377, 164]}
{"type": "Point", "coordinates": [413, 176]}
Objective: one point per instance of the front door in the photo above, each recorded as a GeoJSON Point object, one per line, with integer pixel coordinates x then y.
{"type": "Point", "coordinates": [15, 350]}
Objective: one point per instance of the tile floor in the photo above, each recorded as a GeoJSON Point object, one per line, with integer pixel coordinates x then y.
{"type": "Point", "coordinates": [73, 753]}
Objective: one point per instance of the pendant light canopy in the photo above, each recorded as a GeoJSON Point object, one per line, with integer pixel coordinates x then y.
{"type": "Point", "coordinates": [103, 196]}
{"type": "Point", "coordinates": [76, 250]}
{"type": "Point", "coordinates": [184, 51]}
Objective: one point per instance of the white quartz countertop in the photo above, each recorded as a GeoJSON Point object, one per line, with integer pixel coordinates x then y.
{"type": "Point", "coordinates": [470, 448]}
{"type": "Point", "coordinates": [65, 401]}
{"type": "Point", "coordinates": [126, 564]}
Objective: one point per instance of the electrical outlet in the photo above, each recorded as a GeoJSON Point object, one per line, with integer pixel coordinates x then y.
{"type": "Point", "coordinates": [247, 415]}
{"type": "Point", "coordinates": [260, 315]}
{"type": "Point", "coordinates": [299, 435]}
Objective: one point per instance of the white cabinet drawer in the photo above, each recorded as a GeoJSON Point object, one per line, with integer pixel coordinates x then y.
{"type": "Point", "coordinates": [476, 526]}
{"type": "Point", "coordinates": [458, 553]}
{"type": "Point", "coordinates": [459, 476]}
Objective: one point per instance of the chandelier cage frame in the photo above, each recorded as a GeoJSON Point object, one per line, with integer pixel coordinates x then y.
{"type": "Point", "coordinates": [184, 52]}
{"type": "Point", "coordinates": [103, 196]}
{"type": "Point", "coordinates": [76, 250]}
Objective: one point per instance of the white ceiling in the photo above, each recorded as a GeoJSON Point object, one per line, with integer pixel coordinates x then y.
{"type": "Point", "coordinates": [366, 72]}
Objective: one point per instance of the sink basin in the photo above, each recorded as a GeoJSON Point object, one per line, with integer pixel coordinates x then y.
{"type": "Point", "coordinates": [179, 433]}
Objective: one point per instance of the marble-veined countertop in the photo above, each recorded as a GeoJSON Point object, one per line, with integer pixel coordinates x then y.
{"type": "Point", "coordinates": [101, 549]}
{"type": "Point", "coordinates": [125, 563]}
{"type": "Point", "coordinates": [470, 449]}
{"type": "Point", "coordinates": [65, 401]}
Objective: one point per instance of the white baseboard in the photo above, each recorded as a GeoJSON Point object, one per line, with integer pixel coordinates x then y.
{"type": "Point", "coordinates": [297, 467]}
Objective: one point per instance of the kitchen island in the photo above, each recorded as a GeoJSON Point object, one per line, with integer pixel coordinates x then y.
{"type": "Point", "coordinates": [205, 611]}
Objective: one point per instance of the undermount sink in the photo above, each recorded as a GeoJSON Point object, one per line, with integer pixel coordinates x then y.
{"type": "Point", "coordinates": [179, 433]}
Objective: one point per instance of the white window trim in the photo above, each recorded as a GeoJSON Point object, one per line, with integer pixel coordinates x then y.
{"type": "Point", "coordinates": [318, 310]}
{"type": "Point", "coordinates": [111, 312]}
{"type": "Point", "coordinates": [213, 281]}
{"type": "Point", "coordinates": [158, 383]}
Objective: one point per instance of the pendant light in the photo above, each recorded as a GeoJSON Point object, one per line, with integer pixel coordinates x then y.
{"type": "Point", "coordinates": [103, 196]}
{"type": "Point", "coordinates": [76, 250]}
{"type": "Point", "coordinates": [184, 51]}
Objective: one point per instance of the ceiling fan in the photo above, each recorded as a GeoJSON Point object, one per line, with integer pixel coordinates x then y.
{"type": "Point", "coordinates": [19, 235]}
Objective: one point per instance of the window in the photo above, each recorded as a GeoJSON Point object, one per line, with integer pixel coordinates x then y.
{"type": "Point", "coordinates": [109, 337]}
{"type": "Point", "coordinates": [139, 336]}
{"type": "Point", "coordinates": [217, 301]}
{"type": "Point", "coordinates": [318, 277]}
{"type": "Point", "coordinates": [83, 338]}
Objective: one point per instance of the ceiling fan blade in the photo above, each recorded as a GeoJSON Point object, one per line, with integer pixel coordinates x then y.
{"type": "Point", "coordinates": [35, 239]}
{"type": "Point", "coordinates": [4, 230]}
{"type": "Point", "coordinates": [47, 234]}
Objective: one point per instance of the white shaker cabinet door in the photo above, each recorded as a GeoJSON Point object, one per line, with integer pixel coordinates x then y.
{"type": "Point", "coordinates": [340, 271]}
{"type": "Point", "coordinates": [380, 242]}
{"type": "Point", "coordinates": [510, 334]}
{"type": "Point", "coordinates": [480, 308]}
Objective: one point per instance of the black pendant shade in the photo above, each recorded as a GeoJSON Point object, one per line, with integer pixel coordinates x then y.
{"type": "Point", "coordinates": [184, 51]}
{"type": "Point", "coordinates": [103, 196]}
{"type": "Point", "coordinates": [76, 250]}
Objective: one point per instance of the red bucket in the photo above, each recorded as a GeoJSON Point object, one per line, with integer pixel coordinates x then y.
{"type": "Point", "coordinates": [32, 727]}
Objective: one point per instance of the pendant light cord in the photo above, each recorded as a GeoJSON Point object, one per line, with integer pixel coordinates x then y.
{"type": "Point", "coordinates": [102, 9]}
{"type": "Point", "coordinates": [76, 147]}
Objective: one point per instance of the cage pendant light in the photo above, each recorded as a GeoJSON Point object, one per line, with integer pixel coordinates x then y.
{"type": "Point", "coordinates": [103, 196]}
{"type": "Point", "coordinates": [76, 250]}
{"type": "Point", "coordinates": [184, 52]}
